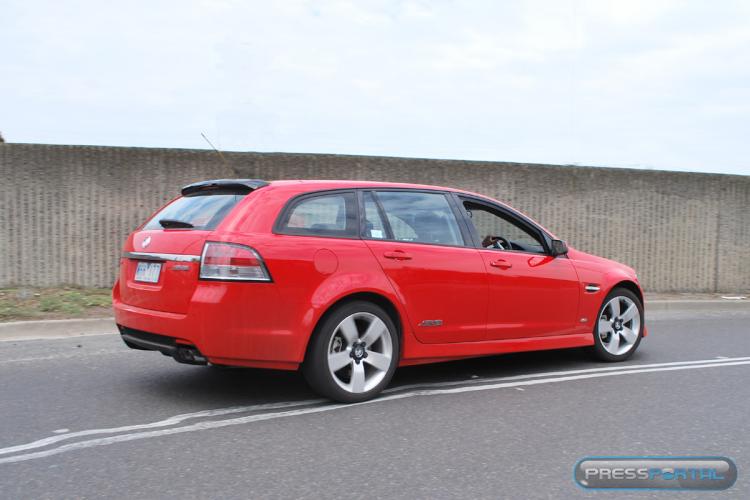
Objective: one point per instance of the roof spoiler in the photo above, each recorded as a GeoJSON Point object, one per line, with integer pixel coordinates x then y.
{"type": "Point", "coordinates": [216, 186]}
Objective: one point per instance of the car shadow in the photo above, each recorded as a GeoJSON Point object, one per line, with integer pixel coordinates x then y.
{"type": "Point", "coordinates": [217, 386]}
{"type": "Point", "coordinates": [503, 365]}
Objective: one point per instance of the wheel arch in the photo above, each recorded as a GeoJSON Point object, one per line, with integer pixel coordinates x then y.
{"type": "Point", "coordinates": [388, 306]}
{"type": "Point", "coordinates": [628, 285]}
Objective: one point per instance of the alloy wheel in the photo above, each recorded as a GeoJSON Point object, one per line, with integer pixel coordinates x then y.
{"type": "Point", "coordinates": [619, 325]}
{"type": "Point", "coordinates": [359, 352]}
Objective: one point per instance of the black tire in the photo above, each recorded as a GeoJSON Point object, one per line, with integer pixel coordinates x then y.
{"type": "Point", "coordinates": [598, 351]}
{"type": "Point", "coordinates": [315, 367]}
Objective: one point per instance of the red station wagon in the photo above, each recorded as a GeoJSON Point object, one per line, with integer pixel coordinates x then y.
{"type": "Point", "coordinates": [347, 280]}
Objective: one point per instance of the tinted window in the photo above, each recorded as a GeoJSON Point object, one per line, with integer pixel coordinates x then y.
{"type": "Point", "coordinates": [420, 217]}
{"type": "Point", "coordinates": [373, 223]}
{"type": "Point", "coordinates": [202, 212]}
{"type": "Point", "coordinates": [327, 215]}
{"type": "Point", "coordinates": [490, 223]}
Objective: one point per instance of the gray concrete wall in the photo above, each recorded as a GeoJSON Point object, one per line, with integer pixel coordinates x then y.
{"type": "Point", "coordinates": [65, 210]}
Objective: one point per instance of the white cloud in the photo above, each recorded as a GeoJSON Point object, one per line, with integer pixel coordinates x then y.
{"type": "Point", "coordinates": [651, 83]}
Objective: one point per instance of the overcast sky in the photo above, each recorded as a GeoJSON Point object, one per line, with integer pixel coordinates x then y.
{"type": "Point", "coordinates": [652, 84]}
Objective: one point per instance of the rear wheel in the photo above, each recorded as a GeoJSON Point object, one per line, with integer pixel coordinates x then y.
{"type": "Point", "coordinates": [353, 353]}
{"type": "Point", "coordinates": [619, 326]}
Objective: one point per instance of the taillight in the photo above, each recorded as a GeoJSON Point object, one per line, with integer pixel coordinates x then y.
{"type": "Point", "coordinates": [230, 261]}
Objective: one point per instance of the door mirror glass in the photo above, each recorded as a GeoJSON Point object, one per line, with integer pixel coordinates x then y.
{"type": "Point", "coordinates": [559, 247]}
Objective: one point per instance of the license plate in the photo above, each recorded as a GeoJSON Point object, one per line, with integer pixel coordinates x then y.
{"type": "Point", "coordinates": [148, 272]}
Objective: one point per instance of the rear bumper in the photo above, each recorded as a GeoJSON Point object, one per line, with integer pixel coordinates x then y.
{"type": "Point", "coordinates": [137, 339]}
{"type": "Point", "coordinates": [220, 333]}
{"type": "Point", "coordinates": [182, 353]}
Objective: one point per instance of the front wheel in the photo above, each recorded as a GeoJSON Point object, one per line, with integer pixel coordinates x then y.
{"type": "Point", "coordinates": [353, 354]}
{"type": "Point", "coordinates": [619, 326]}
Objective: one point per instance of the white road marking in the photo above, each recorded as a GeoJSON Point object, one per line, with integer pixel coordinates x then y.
{"type": "Point", "coordinates": [562, 372]}
{"type": "Point", "coordinates": [276, 406]}
{"type": "Point", "coordinates": [161, 423]}
{"type": "Point", "coordinates": [61, 431]}
{"type": "Point", "coordinates": [216, 424]}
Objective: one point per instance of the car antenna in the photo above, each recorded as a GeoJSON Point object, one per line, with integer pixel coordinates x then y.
{"type": "Point", "coordinates": [224, 160]}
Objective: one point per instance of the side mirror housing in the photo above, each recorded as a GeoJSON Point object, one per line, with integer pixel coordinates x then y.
{"type": "Point", "coordinates": [559, 247]}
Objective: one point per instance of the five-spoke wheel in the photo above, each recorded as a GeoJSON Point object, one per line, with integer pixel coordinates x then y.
{"type": "Point", "coordinates": [353, 354]}
{"type": "Point", "coordinates": [360, 352]}
{"type": "Point", "coordinates": [618, 329]}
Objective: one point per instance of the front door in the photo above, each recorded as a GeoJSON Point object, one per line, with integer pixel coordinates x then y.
{"type": "Point", "coordinates": [416, 237]}
{"type": "Point", "coordinates": [531, 294]}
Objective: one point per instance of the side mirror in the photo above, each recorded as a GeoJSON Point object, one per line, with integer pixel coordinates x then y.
{"type": "Point", "coordinates": [559, 247]}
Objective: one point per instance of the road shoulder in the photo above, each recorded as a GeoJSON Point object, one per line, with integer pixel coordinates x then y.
{"type": "Point", "coordinates": [56, 329]}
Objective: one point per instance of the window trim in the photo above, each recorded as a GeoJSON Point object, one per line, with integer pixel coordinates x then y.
{"type": "Point", "coordinates": [512, 215]}
{"type": "Point", "coordinates": [279, 227]}
{"type": "Point", "coordinates": [381, 213]}
{"type": "Point", "coordinates": [465, 236]}
{"type": "Point", "coordinates": [455, 201]}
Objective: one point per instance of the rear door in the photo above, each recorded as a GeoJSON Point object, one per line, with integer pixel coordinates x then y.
{"type": "Point", "coordinates": [160, 264]}
{"type": "Point", "coordinates": [531, 294]}
{"type": "Point", "coordinates": [416, 237]}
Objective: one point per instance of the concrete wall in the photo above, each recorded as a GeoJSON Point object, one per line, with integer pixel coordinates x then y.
{"type": "Point", "coordinates": [65, 210]}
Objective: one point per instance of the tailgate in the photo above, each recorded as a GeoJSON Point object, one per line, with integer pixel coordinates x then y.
{"type": "Point", "coordinates": [161, 261]}
{"type": "Point", "coordinates": [162, 276]}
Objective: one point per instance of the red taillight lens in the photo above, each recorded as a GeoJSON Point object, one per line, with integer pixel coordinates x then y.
{"type": "Point", "coordinates": [230, 261]}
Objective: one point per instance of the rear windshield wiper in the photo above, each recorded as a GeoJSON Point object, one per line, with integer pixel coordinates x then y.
{"type": "Point", "coordinates": [173, 223]}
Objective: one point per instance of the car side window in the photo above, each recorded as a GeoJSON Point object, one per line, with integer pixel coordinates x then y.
{"type": "Point", "coordinates": [332, 214]}
{"type": "Point", "coordinates": [420, 217]}
{"type": "Point", "coordinates": [499, 231]}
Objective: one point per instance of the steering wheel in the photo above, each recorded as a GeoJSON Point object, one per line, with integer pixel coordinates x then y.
{"type": "Point", "coordinates": [496, 243]}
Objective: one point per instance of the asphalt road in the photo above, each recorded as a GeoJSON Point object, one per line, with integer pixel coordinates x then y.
{"type": "Point", "coordinates": [89, 418]}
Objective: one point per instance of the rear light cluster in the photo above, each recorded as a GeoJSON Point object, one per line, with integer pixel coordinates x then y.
{"type": "Point", "coordinates": [230, 261]}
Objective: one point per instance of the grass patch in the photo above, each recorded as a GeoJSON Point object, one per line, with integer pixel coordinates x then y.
{"type": "Point", "coordinates": [54, 303]}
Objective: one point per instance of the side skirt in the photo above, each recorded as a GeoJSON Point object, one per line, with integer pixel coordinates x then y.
{"type": "Point", "coordinates": [434, 353]}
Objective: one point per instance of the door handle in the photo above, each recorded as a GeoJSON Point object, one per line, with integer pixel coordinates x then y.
{"type": "Point", "coordinates": [501, 263]}
{"type": "Point", "coordinates": [397, 255]}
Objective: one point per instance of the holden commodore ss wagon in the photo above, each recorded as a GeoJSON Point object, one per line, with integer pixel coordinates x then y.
{"type": "Point", "coordinates": [347, 280]}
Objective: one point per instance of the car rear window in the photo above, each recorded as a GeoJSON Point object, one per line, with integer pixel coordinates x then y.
{"type": "Point", "coordinates": [203, 212]}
